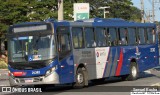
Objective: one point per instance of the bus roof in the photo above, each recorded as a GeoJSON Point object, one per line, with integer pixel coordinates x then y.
{"type": "Point", "coordinates": [114, 22]}
{"type": "Point", "coordinates": [99, 22]}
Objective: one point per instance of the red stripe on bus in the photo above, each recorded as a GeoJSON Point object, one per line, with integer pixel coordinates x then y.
{"type": "Point", "coordinates": [119, 63]}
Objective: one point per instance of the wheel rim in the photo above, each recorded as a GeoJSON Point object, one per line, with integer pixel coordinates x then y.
{"type": "Point", "coordinates": [134, 71]}
{"type": "Point", "coordinates": [80, 78]}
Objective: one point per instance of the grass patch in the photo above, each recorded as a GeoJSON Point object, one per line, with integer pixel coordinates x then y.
{"type": "Point", "coordinates": [3, 64]}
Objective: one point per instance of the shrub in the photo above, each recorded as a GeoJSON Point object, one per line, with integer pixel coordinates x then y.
{"type": "Point", "coordinates": [3, 64]}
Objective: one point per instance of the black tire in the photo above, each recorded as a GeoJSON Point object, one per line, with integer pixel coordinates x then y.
{"type": "Point", "coordinates": [81, 78]}
{"type": "Point", "coordinates": [133, 72]}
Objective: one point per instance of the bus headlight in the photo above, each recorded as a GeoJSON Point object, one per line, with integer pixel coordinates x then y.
{"type": "Point", "coordinates": [51, 70]}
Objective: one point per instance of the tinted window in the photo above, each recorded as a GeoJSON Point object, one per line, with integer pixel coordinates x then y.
{"type": "Point", "coordinates": [89, 37]}
{"type": "Point", "coordinates": [132, 36]}
{"type": "Point", "coordinates": [150, 35]}
{"type": "Point", "coordinates": [112, 37]}
{"type": "Point", "coordinates": [141, 36]}
{"type": "Point", "coordinates": [100, 37]}
{"type": "Point", "coordinates": [123, 36]}
{"type": "Point", "coordinates": [64, 44]}
{"type": "Point", "coordinates": [77, 37]}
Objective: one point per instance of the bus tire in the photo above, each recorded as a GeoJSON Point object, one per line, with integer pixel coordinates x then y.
{"type": "Point", "coordinates": [133, 72]}
{"type": "Point", "coordinates": [81, 78]}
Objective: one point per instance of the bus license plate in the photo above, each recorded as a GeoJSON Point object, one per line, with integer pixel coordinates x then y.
{"type": "Point", "coordinates": [28, 80]}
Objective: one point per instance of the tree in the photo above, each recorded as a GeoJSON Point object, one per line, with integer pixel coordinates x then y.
{"type": "Point", "coordinates": [12, 11]}
{"type": "Point", "coordinates": [118, 9]}
{"type": "Point", "coordinates": [123, 9]}
{"type": "Point", "coordinates": [39, 10]}
{"type": "Point", "coordinates": [18, 11]}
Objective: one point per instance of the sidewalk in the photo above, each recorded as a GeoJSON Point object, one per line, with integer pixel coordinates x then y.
{"type": "Point", "coordinates": [3, 74]}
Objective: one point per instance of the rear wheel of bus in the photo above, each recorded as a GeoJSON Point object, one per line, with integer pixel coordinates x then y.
{"type": "Point", "coordinates": [133, 72]}
{"type": "Point", "coordinates": [81, 78]}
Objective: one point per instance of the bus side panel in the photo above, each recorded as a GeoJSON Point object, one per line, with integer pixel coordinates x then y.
{"type": "Point", "coordinates": [148, 57]}
{"type": "Point", "coordinates": [102, 55]}
{"type": "Point", "coordinates": [112, 62]}
{"type": "Point", "coordinates": [145, 56]}
{"type": "Point", "coordinates": [126, 53]}
{"type": "Point", "coordinates": [87, 58]}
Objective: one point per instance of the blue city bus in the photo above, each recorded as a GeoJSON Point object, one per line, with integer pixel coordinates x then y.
{"type": "Point", "coordinates": [60, 52]}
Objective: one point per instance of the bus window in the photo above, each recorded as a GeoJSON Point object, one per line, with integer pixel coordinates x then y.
{"type": "Point", "coordinates": [89, 37]}
{"type": "Point", "coordinates": [123, 36]}
{"type": "Point", "coordinates": [132, 36]}
{"type": "Point", "coordinates": [141, 36]}
{"type": "Point", "coordinates": [64, 44]}
{"type": "Point", "coordinates": [112, 37]}
{"type": "Point", "coordinates": [150, 36]}
{"type": "Point", "coordinates": [77, 34]}
{"type": "Point", "coordinates": [100, 37]}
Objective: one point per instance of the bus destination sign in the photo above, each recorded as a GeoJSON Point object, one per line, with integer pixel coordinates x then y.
{"type": "Point", "coordinates": [29, 28]}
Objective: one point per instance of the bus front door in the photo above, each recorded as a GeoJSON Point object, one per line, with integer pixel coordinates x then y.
{"type": "Point", "coordinates": [65, 58]}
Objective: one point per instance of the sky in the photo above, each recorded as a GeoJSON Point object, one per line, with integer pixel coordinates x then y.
{"type": "Point", "coordinates": [148, 7]}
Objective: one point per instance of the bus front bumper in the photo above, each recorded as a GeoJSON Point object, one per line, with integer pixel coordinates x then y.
{"type": "Point", "coordinates": [53, 78]}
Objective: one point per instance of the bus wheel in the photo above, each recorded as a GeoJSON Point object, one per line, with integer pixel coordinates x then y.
{"type": "Point", "coordinates": [133, 72]}
{"type": "Point", "coordinates": [81, 78]}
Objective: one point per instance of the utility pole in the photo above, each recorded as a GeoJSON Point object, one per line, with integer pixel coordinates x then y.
{"type": "Point", "coordinates": [142, 11]}
{"type": "Point", "coordinates": [60, 9]}
{"type": "Point", "coordinates": [149, 15]}
{"type": "Point", "coordinates": [153, 14]}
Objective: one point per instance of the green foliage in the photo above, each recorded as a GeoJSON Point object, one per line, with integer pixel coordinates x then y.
{"type": "Point", "coordinates": [12, 11]}
{"type": "Point", "coordinates": [124, 9]}
{"type": "Point", "coordinates": [118, 9]}
{"type": "Point", "coordinates": [3, 64]}
{"type": "Point", "coordinates": [18, 11]}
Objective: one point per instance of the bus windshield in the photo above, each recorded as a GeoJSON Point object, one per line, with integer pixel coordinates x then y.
{"type": "Point", "coordinates": [31, 48]}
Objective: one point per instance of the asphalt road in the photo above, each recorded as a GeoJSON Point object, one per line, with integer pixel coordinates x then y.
{"type": "Point", "coordinates": [113, 86]}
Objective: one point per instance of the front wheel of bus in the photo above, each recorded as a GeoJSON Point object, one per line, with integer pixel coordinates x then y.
{"type": "Point", "coordinates": [81, 78]}
{"type": "Point", "coordinates": [133, 72]}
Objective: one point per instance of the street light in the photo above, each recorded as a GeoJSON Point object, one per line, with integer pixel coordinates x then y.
{"type": "Point", "coordinates": [104, 10]}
